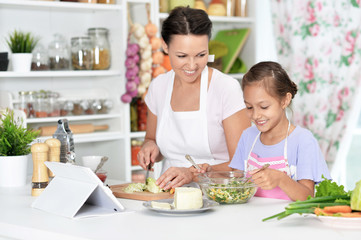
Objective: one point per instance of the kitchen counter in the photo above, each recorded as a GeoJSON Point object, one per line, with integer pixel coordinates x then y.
{"type": "Point", "coordinates": [19, 221]}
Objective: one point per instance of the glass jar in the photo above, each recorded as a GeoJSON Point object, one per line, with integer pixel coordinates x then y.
{"type": "Point", "coordinates": [23, 101]}
{"type": "Point", "coordinates": [31, 103]}
{"type": "Point", "coordinates": [106, 1]}
{"type": "Point", "coordinates": [105, 106]}
{"type": "Point", "coordinates": [81, 53]}
{"type": "Point", "coordinates": [136, 145]}
{"type": "Point", "coordinates": [40, 61]}
{"type": "Point", "coordinates": [41, 106]}
{"type": "Point", "coordinates": [101, 48]}
{"type": "Point", "coordinates": [142, 115]}
{"type": "Point", "coordinates": [54, 108]}
{"type": "Point", "coordinates": [66, 107]}
{"type": "Point", "coordinates": [59, 53]}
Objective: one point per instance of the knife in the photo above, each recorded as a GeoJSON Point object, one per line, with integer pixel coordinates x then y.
{"type": "Point", "coordinates": [147, 174]}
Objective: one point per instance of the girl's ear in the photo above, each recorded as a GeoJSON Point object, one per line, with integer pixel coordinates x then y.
{"type": "Point", "coordinates": [164, 46]}
{"type": "Point", "coordinates": [286, 100]}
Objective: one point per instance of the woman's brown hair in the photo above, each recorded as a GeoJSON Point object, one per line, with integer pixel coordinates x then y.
{"type": "Point", "coordinates": [185, 21]}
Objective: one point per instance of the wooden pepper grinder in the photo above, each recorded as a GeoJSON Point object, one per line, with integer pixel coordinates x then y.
{"type": "Point", "coordinates": [54, 152]}
{"type": "Point", "coordinates": [40, 172]}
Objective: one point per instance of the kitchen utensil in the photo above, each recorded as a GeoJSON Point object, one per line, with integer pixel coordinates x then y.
{"type": "Point", "coordinates": [147, 174]}
{"type": "Point", "coordinates": [190, 159]}
{"type": "Point", "coordinates": [260, 169]}
{"type": "Point", "coordinates": [118, 191]}
{"type": "Point", "coordinates": [75, 128]}
{"type": "Point", "coordinates": [102, 161]}
{"type": "Point", "coordinates": [227, 187]}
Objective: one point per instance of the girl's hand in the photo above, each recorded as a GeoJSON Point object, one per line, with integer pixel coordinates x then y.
{"type": "Point", "coordinates": [148, 154]}
{"type": "Point", "coordinates": [268, 178]}
{"type": "Point", "coordinates": [174, 177]}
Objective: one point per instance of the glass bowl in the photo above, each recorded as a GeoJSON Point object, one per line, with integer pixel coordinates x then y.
{"type": "Point", "coordinates": [227, 187]}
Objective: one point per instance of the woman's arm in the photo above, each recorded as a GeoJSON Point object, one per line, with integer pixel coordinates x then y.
{"type": "Point", "coordinates": [150, 151]}
{"type": "Point", "coordinates": [233, 127]}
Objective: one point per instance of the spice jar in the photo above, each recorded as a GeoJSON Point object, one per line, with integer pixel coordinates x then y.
{"type": "Point", "coordinates": [23, 101]}
{"type": "Point", "coordinates": [66, 108]}
{"type": "Point", "coordinates": [40, 60]}
{"type": "Point", "coordinates": [30, 104]}
{"type": "Point", "coordinates": [135, 148]}
{"type": "Point", "coordinates": [59, 53]}
{"type": "Point", "coordinates": [54, 108]}
{"type": "Point", "coordinates": [81, 53]}
{"type": "Point", "coordinates": [77, 108]}
{"type": "Point", "coordinates": [41, 106]}
{"type": "Point", "coordinates": [101, 48]}
{"type": "Point", "coordinates": [105, 106]}
{"type": "Point", "coordinates": [106, 1]}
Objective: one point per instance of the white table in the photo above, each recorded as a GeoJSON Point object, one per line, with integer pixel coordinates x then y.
{"type": "Point", "coordinates": [19, 221]}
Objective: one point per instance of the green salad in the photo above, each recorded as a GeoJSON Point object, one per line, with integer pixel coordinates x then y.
{"type": "Point", "coordinates": [232, 192]}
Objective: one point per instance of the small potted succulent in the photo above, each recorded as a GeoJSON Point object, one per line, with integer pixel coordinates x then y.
{"type": "Point", "coordinates": [15, 148]}
{"type": "Point", "coordinates": [21, 45]}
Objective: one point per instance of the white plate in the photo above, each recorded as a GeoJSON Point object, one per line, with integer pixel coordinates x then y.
{"type": "Point", "coordinates": [207, 204]}
{"type": "Point", "coordinates": [339, 222]}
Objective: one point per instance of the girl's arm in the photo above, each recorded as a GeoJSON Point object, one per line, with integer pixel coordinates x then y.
{"type": "Point", "coordinates": [296, 190]}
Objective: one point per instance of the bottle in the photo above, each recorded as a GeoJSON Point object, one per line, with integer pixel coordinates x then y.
{"type": "Point", "coordinates": [40, 177]}
{"type": "Point", "coordinates": [101, 48]}
{"type": "Point", "coordinates": [65, 136]}
{"type": "Point", "coordinates": [23, 101]}
{"type": "Point", "coordinates": [54, 152]}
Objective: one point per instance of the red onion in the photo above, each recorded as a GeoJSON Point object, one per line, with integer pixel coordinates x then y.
{"type": "Point", "coordinates": [130, 86]}
{"type": "Point", "coordinates": [126, 98]}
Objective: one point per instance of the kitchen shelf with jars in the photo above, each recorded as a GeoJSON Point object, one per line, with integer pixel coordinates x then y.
{"type": "Point", "coordinates": [60, 23]}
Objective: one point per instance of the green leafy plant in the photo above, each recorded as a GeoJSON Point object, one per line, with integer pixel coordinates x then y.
{"type": "Point", "coordinates": [14, 138]}
{"type": "Point", "coordinates": [21, 42]}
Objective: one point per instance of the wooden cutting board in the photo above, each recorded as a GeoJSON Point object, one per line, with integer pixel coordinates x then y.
{"type": "Point", "coordinates": [118, 191]}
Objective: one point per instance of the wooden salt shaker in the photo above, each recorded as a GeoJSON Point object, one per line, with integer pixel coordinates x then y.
{"type": "Point", "coordinates": [54, 152]}
{"type": "Point", "coordinates": [40, 172]}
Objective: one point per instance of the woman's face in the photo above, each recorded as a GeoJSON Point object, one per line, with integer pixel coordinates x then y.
{"type": "Point", "coordinates": [188, 55]}
{"type": "Point", "coordinates": [264, 110]}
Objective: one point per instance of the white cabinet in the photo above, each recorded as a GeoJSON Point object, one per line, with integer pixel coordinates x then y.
{"type": "Point", "coordinates": [45, 18]}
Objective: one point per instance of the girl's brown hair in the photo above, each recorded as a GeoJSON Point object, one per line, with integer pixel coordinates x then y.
{"type": "Point", "coordinates": [273, 77]}
{"type": "Point", "coordinates": [185, 21]}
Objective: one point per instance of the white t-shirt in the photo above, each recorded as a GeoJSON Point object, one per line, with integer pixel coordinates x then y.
{"type": "Point", "coordinates": [224, 98]}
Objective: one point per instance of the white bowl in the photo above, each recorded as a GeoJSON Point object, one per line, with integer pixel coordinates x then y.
{"type": "Point", "coordinates": [91, 161]}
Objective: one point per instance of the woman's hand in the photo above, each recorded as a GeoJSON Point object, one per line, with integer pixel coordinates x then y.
{"type": "Point", "coordinates": [174, 177]}
{"type": "Point", "coordinates": [148, 154]}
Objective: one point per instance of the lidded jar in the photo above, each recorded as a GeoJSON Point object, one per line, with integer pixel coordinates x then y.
{"type": "Point", "coordinates": [41, 106]}
{"type": "Point", "coordinates": [40, 61]}
{"type": "Point", "coordinates": [59, 53]}
{"type": "Point", "coordinates": [101, 48]}
{"type": "Point", "coordinates": [81, 53]}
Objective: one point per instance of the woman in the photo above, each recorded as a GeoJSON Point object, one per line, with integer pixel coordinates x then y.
{"type": "Point", "coordinates": [192, 109]}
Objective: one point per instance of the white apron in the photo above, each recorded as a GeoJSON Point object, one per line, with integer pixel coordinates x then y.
{"type": "Point", "coordinates": [181, 133]}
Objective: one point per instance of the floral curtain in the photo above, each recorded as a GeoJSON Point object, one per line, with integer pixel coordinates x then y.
{"type": "Point", "coordinates": [319, 44]}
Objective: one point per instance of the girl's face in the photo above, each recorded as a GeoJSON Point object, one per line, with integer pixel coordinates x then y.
{"type": "Point", "coordinates": [266, 111]}
{"type": "Point", "coordinates": [188, 55]}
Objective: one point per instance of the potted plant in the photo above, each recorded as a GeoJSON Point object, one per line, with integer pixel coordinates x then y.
{"type": "Point", "coordinates": [15, 148]}
{"type": "Point", "coordinates": [21, 45]}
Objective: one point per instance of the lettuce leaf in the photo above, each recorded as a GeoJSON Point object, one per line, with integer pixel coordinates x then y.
{"type": "Point", "coordinates": [329, 188]}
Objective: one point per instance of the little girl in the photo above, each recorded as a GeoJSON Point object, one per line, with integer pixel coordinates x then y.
{"type": "Point", "coordinates": [295, 159]}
